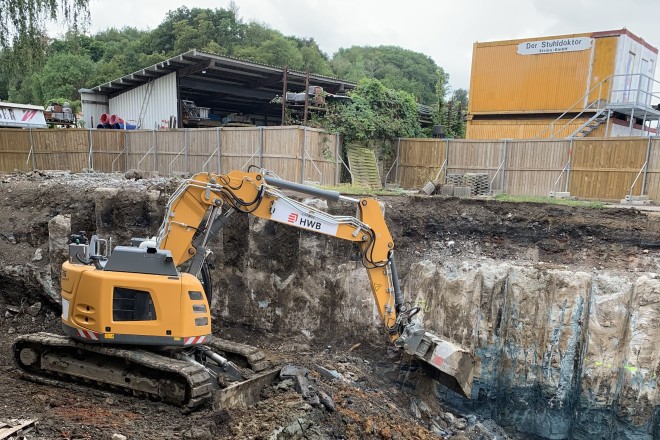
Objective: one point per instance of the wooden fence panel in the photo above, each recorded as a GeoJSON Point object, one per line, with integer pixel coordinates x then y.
{"type": "Point", "coordinates": [282, 148]}
{"type": "Point", "coordinates": [605, 168]}
{"type": "Point", "coordinates": [319, 161]}
{"type": "Point", "coordinates": [202, 144]}
{"type": "Point", "coordinates": [171, 146]}
{"type": "Point", "coordinates": [15, 150]}
{"type": "Point", "coordinates": [240, 148]}
{"type": "Point", "coordinates": [475, 157]}
{"type": "Point", "coordinates": [420, 161]}
{"type": "Point", "coordinates": [533, 167]}
{"type": "Point", "coordinates": [108, 153]}
{"type": "Point", "coordinates": [653, 175]}
{"type": "Point", "coordinates": [140, 151]}
{"type": "Point", "coordinates": [66, 149]}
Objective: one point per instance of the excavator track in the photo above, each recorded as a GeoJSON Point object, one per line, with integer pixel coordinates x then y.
{"type": "Point", "coordinates": [60, 361]}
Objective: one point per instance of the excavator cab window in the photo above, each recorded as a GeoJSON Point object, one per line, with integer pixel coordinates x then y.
{"type": "Point", "coordinates": [132, 305]}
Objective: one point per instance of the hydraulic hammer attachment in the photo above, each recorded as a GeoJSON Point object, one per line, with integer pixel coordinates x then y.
{"type": "Point", "coordinates": [444, 361]}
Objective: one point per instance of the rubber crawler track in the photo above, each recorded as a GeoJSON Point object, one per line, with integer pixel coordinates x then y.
{"type": "Point", "coordinates": [195, 378]}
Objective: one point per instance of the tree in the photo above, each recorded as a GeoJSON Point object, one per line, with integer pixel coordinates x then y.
{"type": "Point", "coordinates": [375, 117]}
{"type": "Point", "coordinates": [22, 23]}
{"type": "Point", "coordinates": [395, 67]}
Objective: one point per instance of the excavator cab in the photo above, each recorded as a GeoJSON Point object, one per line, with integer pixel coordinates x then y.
{"type": "Point", "coordinates": [133, 295]}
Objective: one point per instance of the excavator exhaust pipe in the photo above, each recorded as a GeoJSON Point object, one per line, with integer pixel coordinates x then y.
{"type": "Point", "coordinates": [444, 361]}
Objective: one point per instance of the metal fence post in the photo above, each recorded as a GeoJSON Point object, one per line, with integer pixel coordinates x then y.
{"type": "Point", "coordinates": [646, 166]}
{"type": "Point", "coordinates": [570, 162]}
{"type": "Point", "coordinates": [34, 159]}
{"type": "Point", "coordinates": [218, 144]}
{"type": "Point", "coordinates": [336, 159]}
{"type": "Point", "coordinates": [185, 144]}
{"type": "Point", "coordinates": [398, 157]}
{"type": "Point", "coordinates": [261, 147]}
{"type": "Point", "coordinates": [155, 140]}
{"type": "Point", "coordinates": [127, 165]}
{"type": "Point", "coordinates": [502, 179]}
{"type": "Point", "coordinates": [90, 159]}
{"type": "Point", "coordinates": [446, 159]}
{"type": "Point", "coordinates": [304, 150]}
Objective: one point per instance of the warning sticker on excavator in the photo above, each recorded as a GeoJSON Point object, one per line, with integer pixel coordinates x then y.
{"type": "Point", "coordinates": [283, 212]}
{"type": "Point", "coordinates": [375, 286]}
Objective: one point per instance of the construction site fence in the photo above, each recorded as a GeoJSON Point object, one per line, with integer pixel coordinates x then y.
{"type": "Point", "coordinates": [589, 168]}
{"type": "Point", "coordinates": [294, 153]}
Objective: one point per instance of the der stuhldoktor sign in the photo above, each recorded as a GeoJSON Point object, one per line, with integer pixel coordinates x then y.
{"type": "Point", "coordinates": [554, 46]}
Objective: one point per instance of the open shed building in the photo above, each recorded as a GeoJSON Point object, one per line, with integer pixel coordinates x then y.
{"type": "Point", "coordinates": [198, 89]}
{"type": "Point", "coordinates": [597, 84]}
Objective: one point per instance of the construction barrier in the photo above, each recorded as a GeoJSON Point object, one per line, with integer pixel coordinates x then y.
{"type": "Point", "coordinates": [294, 153]}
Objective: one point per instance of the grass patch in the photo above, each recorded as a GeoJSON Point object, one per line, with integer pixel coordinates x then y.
{"type": "Point", "coordinates": [549, 201]}
{"type": "Point", "coordinates": [362, 190]}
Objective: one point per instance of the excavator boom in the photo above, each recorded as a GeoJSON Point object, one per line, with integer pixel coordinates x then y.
{"type": "Point", "coordinates": [261, 194]}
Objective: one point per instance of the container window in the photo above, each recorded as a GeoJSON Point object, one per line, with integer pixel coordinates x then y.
{"type": "Point", "coordinates": [132, 305]}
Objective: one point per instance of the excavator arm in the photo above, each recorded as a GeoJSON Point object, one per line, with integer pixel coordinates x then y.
{"type": "Point", "coordinates": [202, 205]}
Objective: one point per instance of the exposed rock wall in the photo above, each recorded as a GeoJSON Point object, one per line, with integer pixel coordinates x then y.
{"type": "Point", "coordinates": [563, 354]}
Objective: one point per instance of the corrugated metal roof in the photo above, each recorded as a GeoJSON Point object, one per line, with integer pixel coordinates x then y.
{"type": "Point", "coordinates": [191, 64]}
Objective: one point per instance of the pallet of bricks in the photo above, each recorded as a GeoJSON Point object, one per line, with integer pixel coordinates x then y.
{"type": "Point", "coordinates": [466, 185]}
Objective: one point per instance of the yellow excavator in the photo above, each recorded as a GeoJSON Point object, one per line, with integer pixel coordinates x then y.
{"type": "Point", "coordinates": [137, 318]}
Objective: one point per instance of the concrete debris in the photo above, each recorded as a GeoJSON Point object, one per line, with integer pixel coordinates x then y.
{"type": "Point", "coordinates": [428, 189]}
{"type": "Point", "coordinates": [134, 174]}
{"type": "Point", "coordinates": [34, 309]}
{"type": "Point", "coordinates": [118, 437]}
{"type": "Point", "coordinates": [326, 400]}
{"type": "Point", "coordinates": [10, 237]}
{"type": "Point", "coordinates": [38, 255]}
{"type": "Point", "coordinates": [59, 231]}
{"type": "Point", "coordinates": [328, 373]}
{"type": "Point", "coordinates": [449, 418]}
{"type": "Point", "coordinates": [16, 428]}
{"type": "Point", "coordinates": [316, 203]}
{"type": "Point", "coordinates": [414, 409]}
{"type": "Point", "coordinates": [285, 384]}
{"type": "Point", "coordinates": [299, 376]}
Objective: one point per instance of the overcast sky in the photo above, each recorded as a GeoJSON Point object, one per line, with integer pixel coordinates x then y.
{"type": "Point", "coordinates": [444, 30]}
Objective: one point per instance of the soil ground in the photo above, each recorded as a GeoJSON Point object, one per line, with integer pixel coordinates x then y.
{"type": "Point", "coordinates": [374, 401]}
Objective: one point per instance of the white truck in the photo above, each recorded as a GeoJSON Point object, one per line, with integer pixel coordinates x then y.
{"type": "Point", "coordinates": [22, 115]}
